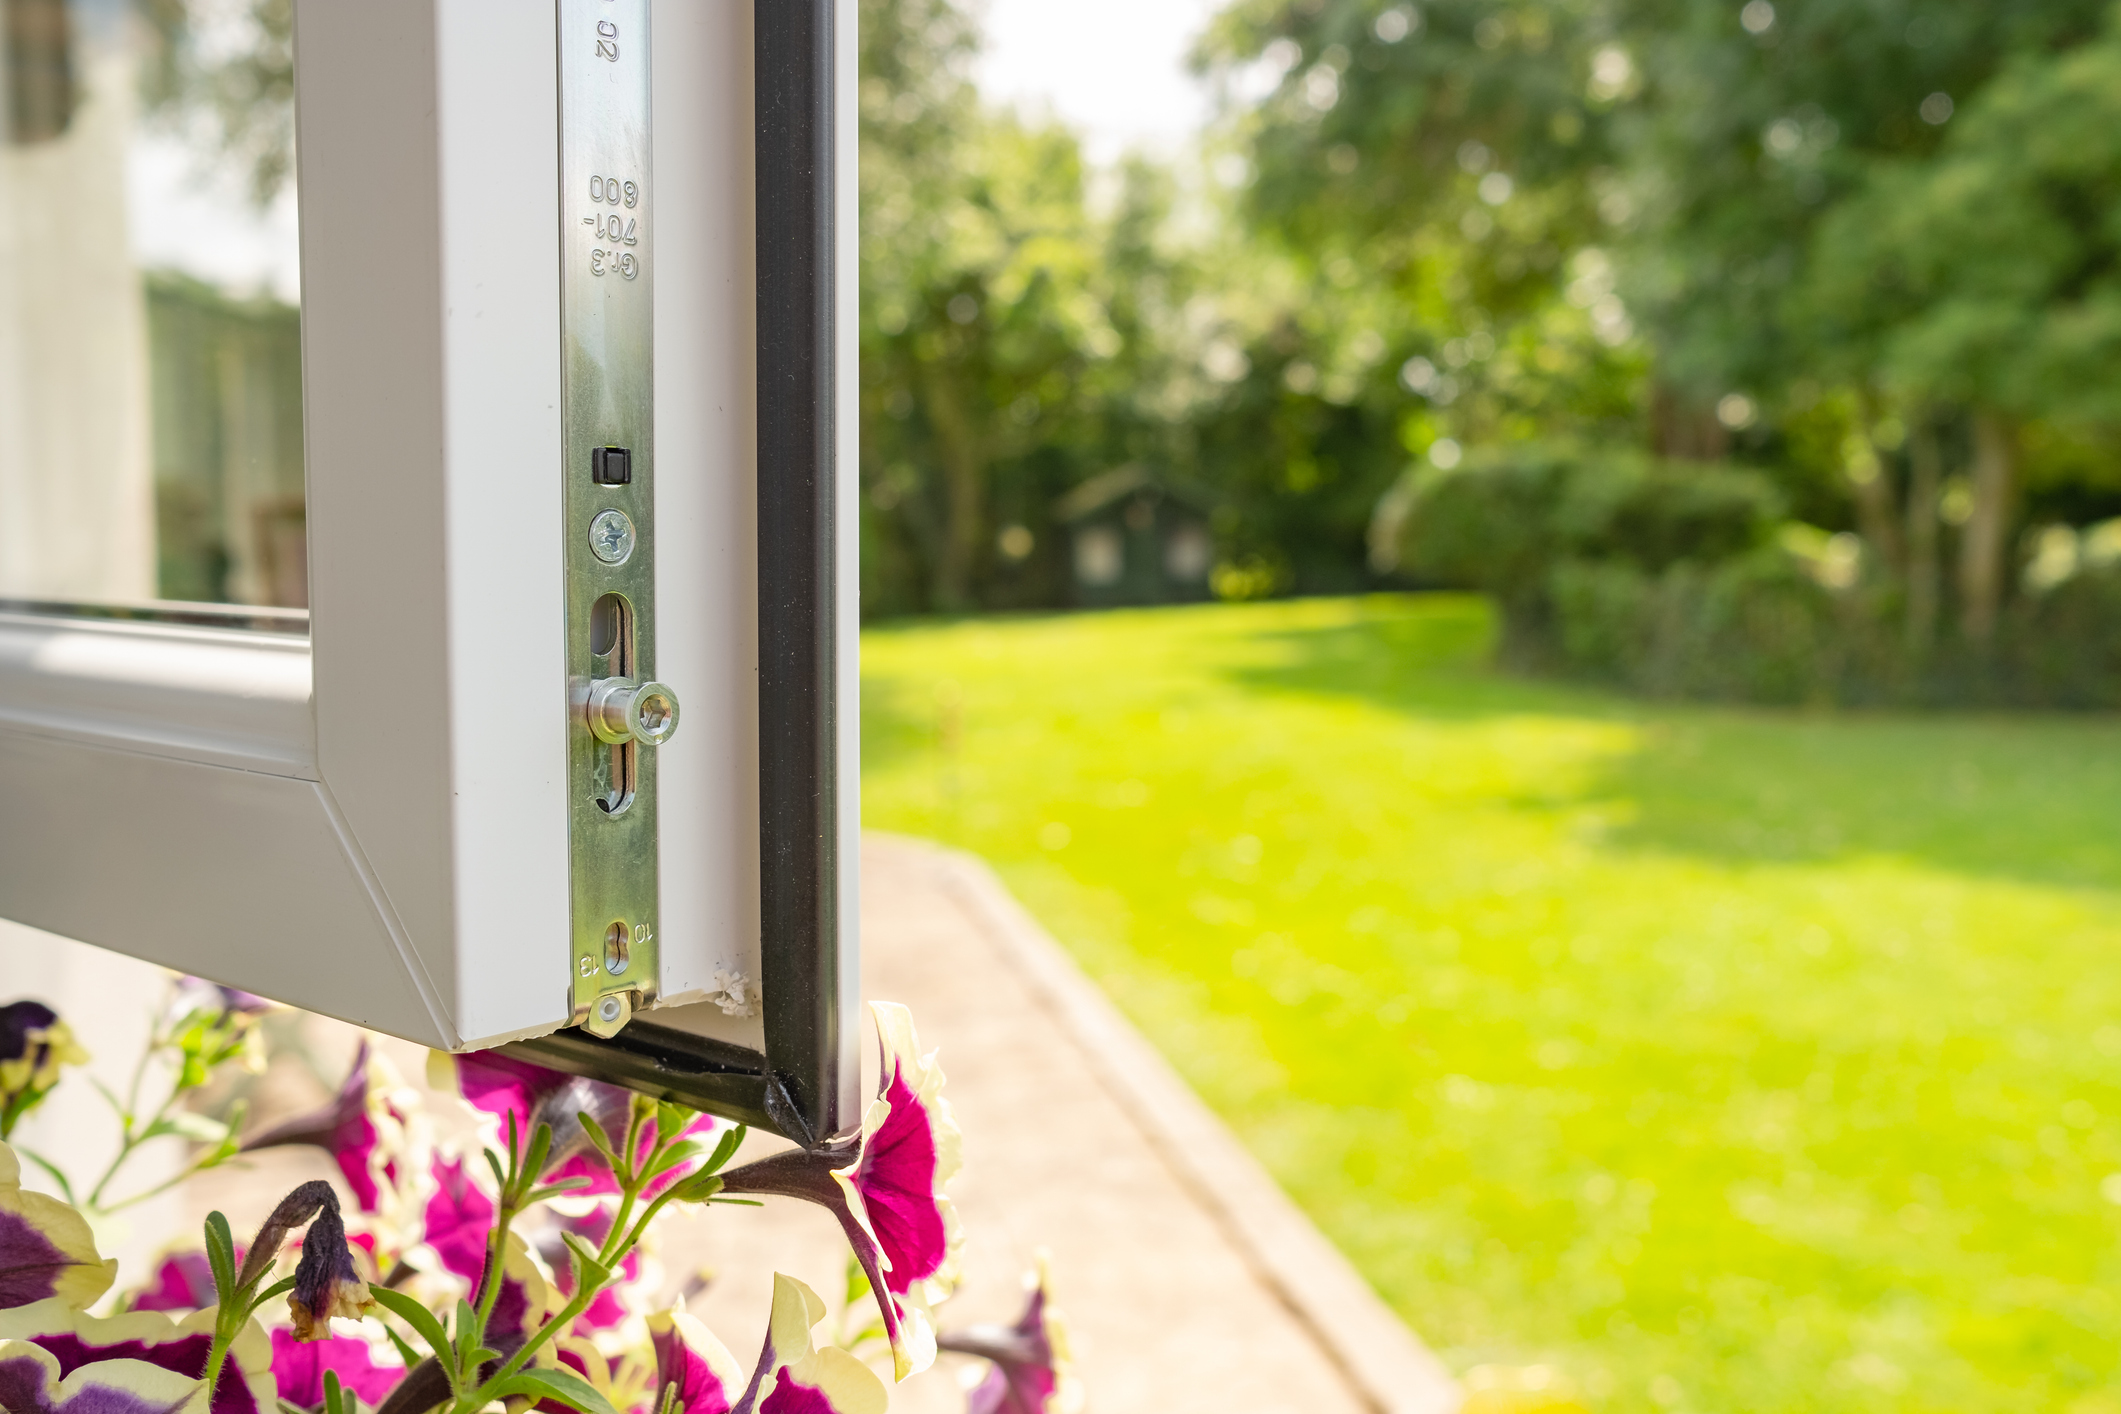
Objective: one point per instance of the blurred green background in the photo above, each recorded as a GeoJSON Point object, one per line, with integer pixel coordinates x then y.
{"type": "Point", "coordinates": [1601, 853]}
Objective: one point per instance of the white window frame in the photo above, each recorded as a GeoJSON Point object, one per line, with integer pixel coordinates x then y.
{"type": "Point", "coordinates": [370, 822]}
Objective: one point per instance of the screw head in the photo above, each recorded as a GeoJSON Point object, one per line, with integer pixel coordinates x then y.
{"type": "Point", "coordinates": [611, 537]}
{"type": "Point", "coordinates": [608, 1009]}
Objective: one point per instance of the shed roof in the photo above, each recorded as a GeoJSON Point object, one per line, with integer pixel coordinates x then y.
{"type": "Point", "coordinates": [1121, 482]}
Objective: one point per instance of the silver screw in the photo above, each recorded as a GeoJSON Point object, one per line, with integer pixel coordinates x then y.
{"type": "Point", "coordinates": [611, 537]}
{"type": "Point", "coordinates": [609, 1009]}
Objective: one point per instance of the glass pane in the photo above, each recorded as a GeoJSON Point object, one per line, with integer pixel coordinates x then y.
{"type": "Point", "coordinates": [150, 337]}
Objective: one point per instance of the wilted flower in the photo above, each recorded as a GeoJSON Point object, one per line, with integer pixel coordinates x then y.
{"type": "Point", "coordinates": [51, 1353]}
{"type": "Point", "coordinates": [46, 1249]}
{"type": "Point", "coordinates": [885, 1185]}
{"type": "Point", "coordinates": [326, 1284]}
{"type": "Point", "coordinates": [1032, 1373]}
{"type": "Point", "coordinates": [34, 1043]}
{"type": "Point", "coordinates": [696, 1374]}
{"type": "Point", "coordinates": [368, 1128]}
{"type": "Point", "coordinates": [298, 1368]}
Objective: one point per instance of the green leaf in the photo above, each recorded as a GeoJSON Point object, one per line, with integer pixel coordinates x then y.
{"type": "Point", "coordinates": [586, 1266]}
{"type": "Point", "coordinates": [110, 1096]}
{"type": "Point", "coordinates": [569, 1389]}
{"type": "Point", "coordinates": [333, 1396]}
{"type": "Point", "coordinates": [597, 1136]}
{"type": "Point", "coordinates": [671, 1119]}
{"type": "Point", "coordinates": [540, 1146]}
{"type": "Point", "coordinates": [66, 1190]}
{"type": "Point", "coordinates": [278, 1288]}
{"type": "Point", "coordinates": [554, 1190]}
{"type": "Point", "coordinates": [413, 1314]}
{"type": "Point", "coordinates": [739, 1202]}
{"type": "Point", "coordinates": [726, 1149]}
{"type": "Point", "coordinates": [469, 1336]}
{"type": "Point", "coordinates": [221, 1255]}
{"type": "Point", "coordinates": [500, 1174]}
{"type": "Point", "coordinates": [410, 1356]}
{"type": "Point", "coordinates": [199, 1128]}
{"type": "Point", "coordinates": [676, 1154]}
{"type": "Point", "coordinates": [698, 1188]}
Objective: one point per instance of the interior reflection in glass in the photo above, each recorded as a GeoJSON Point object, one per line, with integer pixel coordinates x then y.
{"type": "Point", "coordinates": [150, 363]}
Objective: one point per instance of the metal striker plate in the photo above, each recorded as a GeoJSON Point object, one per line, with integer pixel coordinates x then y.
{"type": "Point", "coordinates": [619, 715]}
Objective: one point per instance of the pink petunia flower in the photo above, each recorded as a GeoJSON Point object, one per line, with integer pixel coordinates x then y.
{"type": "Point", "coordinates": [697, 1375]}
{"type": "Point", "coordinates": [116, 1353]}
{"type": "Point", "coordinates": [369, 1128]}
{"type": "Point", "coordinates": [46, 1249]}
{"type": "Point", "coordinates": [503, 1086]}
{"type": "Point", "coordinates": [184, 1282]}
{"type": "Point", "coordinates": [459, 1220]}
{"type": "Point", "coordinates": [607, 1309]}
{"type": "Point", "coordinates": [298, 1369]}
{"type": "Point", "coordinates": [1032, 1372]}
{"type": "Point", "coordinates": [885, 1185]}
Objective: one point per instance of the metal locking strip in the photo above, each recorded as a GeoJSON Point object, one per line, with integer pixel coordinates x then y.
{"type": "Point", "coordinates": [618, 713]}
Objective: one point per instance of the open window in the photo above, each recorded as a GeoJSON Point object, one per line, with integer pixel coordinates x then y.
{"type": "Point", "coordinates": [351, 783]}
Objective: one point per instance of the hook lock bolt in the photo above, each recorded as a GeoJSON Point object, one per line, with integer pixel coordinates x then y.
{"type": "Point", "coordinates": [620, 710]}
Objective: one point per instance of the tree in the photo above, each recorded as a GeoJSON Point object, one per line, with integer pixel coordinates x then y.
{"type": "Point", "coordinates": [1991, 275]}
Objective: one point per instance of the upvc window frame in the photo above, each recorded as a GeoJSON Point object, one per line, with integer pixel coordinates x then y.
{"type": "Point", "coordinates": [370, 822]}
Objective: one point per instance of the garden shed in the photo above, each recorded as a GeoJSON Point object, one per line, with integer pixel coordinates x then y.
{"type": "Point", "coordinates": [1137, 538]}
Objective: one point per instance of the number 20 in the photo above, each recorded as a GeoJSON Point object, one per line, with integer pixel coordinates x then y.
{"type": "Point", "coordinates": [608, 44]}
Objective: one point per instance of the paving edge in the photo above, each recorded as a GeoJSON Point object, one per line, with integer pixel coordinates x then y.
{"type": "Point", "coordinates": [1387, 1367]}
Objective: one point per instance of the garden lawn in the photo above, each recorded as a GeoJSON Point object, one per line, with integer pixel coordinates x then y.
{"type": "Point", "coordinates": [1668, 1057]}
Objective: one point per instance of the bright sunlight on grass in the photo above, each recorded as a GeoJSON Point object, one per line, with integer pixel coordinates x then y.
{"type": "Point", "coordinates": [1712, 1059]}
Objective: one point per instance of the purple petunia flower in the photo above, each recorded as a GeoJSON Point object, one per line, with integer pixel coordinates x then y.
{"type": "Point", "coordinates": [229, 1001]}
{"type": "Point", "coordinates": [1032, 1372]}
{"type": "Point", "coordinates": [697, 1375]}
{"type": "Point", "coordinates": [46, 1249]}
{"type": "Point", "coordinates": [34, 1043]}
{"type": "Point", "coordinates": [885, 1185]}
{"type": "Point", "coordinates": [116, 1353]}
{"type": "Point", "coordinates": [366, 1128]}
{"type": "Point", "coordinates": [298, 1368]}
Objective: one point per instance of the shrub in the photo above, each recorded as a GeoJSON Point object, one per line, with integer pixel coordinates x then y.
{"type": "Point", "coordinates": [1507, 517]}
{"type": "Point", "coordinates": [1752, 627]}
{"type": "Point", "coordinates": [1681, 580]}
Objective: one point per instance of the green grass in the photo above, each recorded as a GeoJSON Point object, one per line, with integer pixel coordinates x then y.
{"type": "Point", "coordinates": [1712, 1059]}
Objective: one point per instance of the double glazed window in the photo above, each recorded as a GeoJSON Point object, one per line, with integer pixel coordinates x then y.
{"type": "Point", "coordinates": [151, 439]}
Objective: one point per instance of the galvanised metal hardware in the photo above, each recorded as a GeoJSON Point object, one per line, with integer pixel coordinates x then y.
{"type": "Point", "coordinates": [618, 715]}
